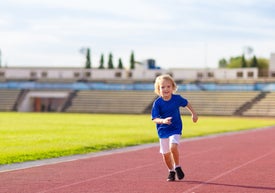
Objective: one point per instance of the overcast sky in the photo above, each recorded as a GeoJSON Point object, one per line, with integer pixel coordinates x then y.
{"type": "Point", "coordinates": [176, 33]}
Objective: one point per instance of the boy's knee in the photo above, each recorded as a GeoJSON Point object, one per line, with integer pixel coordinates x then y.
{"type": "Point", "coordinates": [173, 147]}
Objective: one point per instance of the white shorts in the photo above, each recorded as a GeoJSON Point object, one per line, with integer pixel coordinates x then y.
{"type": "Point", "coordinates": [165, 143]}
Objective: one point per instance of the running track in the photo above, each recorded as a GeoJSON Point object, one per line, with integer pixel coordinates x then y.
{"type": "Point", "coordinates": [238, 162]}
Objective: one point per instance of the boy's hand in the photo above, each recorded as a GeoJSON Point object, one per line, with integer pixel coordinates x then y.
{"type": "Point", "coordinates": [167, 120]}
{"type": "Point", "coordinates": [195, 118]}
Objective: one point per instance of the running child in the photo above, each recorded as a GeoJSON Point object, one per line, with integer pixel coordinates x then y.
{"type": "Point", "coordinates": [166, 115]}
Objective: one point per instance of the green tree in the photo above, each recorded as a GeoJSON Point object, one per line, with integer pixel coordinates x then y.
{"type": "Point", "coordinates": [263, 63]}
{"type": "Point", "coordinates": [254, 62]}
{"type": "Point", "coordinates": [120, 65]}
{"type": "Point", "coordinates": [263, 66]}
{"type": "Point", "coordinates": [88, 59]}
{"type": "Point", "coordinates": [132, 61]}
{"type": "Point", "coordinates": [238, 62]}
{"type": "Point", "coordinates": [101, 62]}
{"type": "Point", "coordinates": [235, 62]}
{"type": "Point", "coordinates": [243, 62]}
{"type": "Point", "coordinates": [110, 62]}
{"type": "Point", "coordinates": [222, 63]}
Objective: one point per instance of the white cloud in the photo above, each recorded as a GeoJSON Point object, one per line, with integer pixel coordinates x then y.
{"type": "Point", "coordinates": [179, 33]}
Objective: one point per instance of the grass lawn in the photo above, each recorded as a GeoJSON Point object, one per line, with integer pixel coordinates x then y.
{"type": "Point", "coordinates": [33, 136]}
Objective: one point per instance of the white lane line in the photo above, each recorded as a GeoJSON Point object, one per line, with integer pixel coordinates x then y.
{"type": "Point", "coordinates": [118, 172]}
{"type": "Point", "coordinates": [229, 171]}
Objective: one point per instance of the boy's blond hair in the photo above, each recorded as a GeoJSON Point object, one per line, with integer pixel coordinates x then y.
{"type": "Point", "coordinates": [164, 77]}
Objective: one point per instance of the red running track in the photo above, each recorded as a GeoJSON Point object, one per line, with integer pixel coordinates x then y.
{"type": "Point", "coordinates": [238, 162]}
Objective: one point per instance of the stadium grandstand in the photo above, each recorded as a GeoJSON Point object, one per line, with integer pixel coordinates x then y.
{"type": "Point", "coordinates": [225, 92]}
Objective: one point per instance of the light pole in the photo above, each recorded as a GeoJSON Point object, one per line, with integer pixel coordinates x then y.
{"type": "Point", "coordinates": [205, 55]}
{"type": "Point", "coordinates": [247, 50]}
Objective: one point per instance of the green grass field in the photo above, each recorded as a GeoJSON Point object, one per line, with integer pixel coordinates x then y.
{"type": "Point", "coordinates": [33, 136]}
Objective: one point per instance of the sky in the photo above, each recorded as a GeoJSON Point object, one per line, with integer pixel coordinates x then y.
{"type": "Point", "coordinates": [176, 33]}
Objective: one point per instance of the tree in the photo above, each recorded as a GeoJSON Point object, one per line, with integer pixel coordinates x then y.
{"type": "Point", "coordinates": [88, 59]}
{"type": "Point", "coordinates": [110, 62]}
{"type": "Point", "coordinates": [222, 63]}
{"type": "Point", "coordinates": [243, 62]}
{"type": "Point", "coordinates": [235, 62]}
{"type": "Point", "coordinates": [101, 65]}
{"type": "Point", "coordinates": [239, 62]}
{"type": "Point", "coordinates": [254, 62]}
{"type": "Point", "coordinates": [263, 65]}
{"type": "Point", "coordinates": [120, 65]}
{"type": "Point", "coordinates": [132, 61]}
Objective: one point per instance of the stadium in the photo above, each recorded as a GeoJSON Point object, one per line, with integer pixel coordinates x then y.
{"type": "Point", "coordinates": [236, 92]}
{"type": "Point", "coordinates": [78, 115]}
{"type": "Point", "coordinates": [84, 131]}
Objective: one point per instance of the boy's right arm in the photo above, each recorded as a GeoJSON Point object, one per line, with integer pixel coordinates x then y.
{"type": "Point", "coordinates": [163, 121]}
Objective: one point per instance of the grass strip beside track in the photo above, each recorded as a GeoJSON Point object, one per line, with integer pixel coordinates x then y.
{"type": "Point", "coordinates": [34, 136]}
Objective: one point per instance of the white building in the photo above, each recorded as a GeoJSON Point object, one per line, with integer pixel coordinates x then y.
{"type": "Point", "coordinates": [142, 72]}
{"type": "Point", "coordinates": [138, 74]}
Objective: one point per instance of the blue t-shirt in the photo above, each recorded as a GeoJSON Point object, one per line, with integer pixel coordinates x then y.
{"type": "Point", "coordinates": [163, 109]}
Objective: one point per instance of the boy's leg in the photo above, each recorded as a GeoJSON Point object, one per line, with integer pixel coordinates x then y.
{"type": "Point", "coordinates": [175, 155]}
{"type": "Point", "coordinates": [167, 158]}
{"type": "Point", "coordinates": [174, 141]}
{"type": "Point", "coordinates": [166, 154]}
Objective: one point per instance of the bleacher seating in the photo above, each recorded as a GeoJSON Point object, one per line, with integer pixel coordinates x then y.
{"type": "Point", "coordinates": [264, 107]}
{"type": "Point", "coordinates": [217, 102]}
{"type": "Point", "coordinates": [205, 102]}
{"type": "Point", "coordinates": [225, 103]}
{"type": "Point", "coordinates": [107, 101]}
{"type": "Point", "coordinates": [8, 99]}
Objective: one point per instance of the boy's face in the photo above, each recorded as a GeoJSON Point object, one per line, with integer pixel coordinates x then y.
{"type": "Point", "coordinates": [166, 89]}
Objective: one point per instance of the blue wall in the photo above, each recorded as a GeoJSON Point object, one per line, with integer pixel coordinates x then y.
{"type": "Point", "coordinates": [137, 86]}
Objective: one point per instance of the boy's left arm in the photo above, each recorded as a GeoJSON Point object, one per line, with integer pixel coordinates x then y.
{"type": "Point", "coordinates": [193, 112]}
